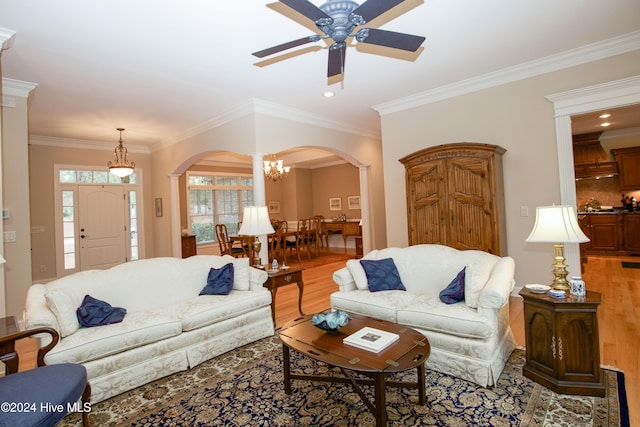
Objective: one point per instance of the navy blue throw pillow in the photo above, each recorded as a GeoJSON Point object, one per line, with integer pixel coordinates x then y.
{"type": "Point", "coordinates": [454, 292]}
{"type": "Point", "coordinates": [382, 275]}
{"type": "Point", "coordinates": [94, 312]}
{"type": "Point", "coordinates": [219, 281]}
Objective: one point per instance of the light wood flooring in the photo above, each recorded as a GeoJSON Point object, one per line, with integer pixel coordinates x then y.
{"type": "Point", "coordinates": [618, 315]}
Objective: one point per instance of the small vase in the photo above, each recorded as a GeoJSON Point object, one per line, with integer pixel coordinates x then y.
{"type": "Point", "coordinates": [577, 286]}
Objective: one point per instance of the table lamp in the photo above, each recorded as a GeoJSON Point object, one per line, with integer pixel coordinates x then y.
{"type": "Point", "coordinates": [255, 222]}
{"type": "Point", "coordinates": [559, 225]}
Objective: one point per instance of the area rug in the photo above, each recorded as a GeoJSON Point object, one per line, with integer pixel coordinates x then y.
{"type": "Point", "coordinates": [245, 388]}
{"type": "Point", "coordinates": [628, 264]}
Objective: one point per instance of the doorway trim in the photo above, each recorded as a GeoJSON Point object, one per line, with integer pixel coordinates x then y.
{"type": "Point", "coordinates": [617, 93]}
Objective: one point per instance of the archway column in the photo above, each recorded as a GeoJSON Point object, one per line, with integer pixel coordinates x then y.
{"type": "Point", "coordinates": [176, 234]}
{"type": "Point", "coordinates": [260, 199]}
{"type": "Point", "coordinates": [365, 211]}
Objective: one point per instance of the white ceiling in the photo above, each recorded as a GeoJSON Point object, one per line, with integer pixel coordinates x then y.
{"type": "Point", "coordinates": [161, 68]}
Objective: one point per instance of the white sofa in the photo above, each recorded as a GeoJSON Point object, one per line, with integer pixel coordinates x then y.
{"type": "Point", "coordinates": [470, 339]}
{"type": "Point", "coordinates": [168, 326]}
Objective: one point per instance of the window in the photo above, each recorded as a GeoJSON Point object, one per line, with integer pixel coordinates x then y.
{"type": "Point", "coordinates": [217, 199]}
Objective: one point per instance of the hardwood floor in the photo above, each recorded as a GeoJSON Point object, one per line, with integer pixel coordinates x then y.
{"type": "Point", "coordinates": [618, 315]}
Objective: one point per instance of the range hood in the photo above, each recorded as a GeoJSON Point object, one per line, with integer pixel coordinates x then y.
{"type": "Point", "coordinates": [591, 161]}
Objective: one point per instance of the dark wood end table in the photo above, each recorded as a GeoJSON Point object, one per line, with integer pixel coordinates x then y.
{"type": "Point", "coordinates": [8, 355]}
{"type": "Point", "coordinates": [410, 351]}
{"type": "Point", "coordinates": [563, 349]}
{"type": "Point", "coordinates": [284, 278]}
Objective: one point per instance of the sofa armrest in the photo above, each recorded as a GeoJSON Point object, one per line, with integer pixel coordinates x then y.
{"type": "Point", "coordinates": [37, 313]}
{"type": "Point", "coordinates": [495, 293]}
{"type": "Point", "coordinates": [257, 278]}
{"type": "Point", "coordinates": [344, 280]}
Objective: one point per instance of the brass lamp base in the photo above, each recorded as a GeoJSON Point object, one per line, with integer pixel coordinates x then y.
{"type": "Point", "coordinates": [257, 262]}
{"type": "Point", "coordinates": [560, 272]}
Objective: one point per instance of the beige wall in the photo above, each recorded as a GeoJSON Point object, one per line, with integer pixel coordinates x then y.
{"type": "Point", "coordinates": [335, 181]}
{"type": "Point", "coordinates": [16, 199]}
{"type": "Point", "coordinates": [515, 116]}
{"type": "Point", "coordinates": [42, 160]}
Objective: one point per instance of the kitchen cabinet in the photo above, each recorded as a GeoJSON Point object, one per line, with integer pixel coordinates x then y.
{"type": "Point", "coordinates": [562, 343]}
{"type": "Point", "coordinates": [455, 196]}
{"type": "Point", "coordinates": [589, 158]}
{"type": "Point", "coordinates": [603, 230]}
{"type": "Point", "coordinates": [628, 164]}
{"type": "Point", "coordinates": [631, 232]}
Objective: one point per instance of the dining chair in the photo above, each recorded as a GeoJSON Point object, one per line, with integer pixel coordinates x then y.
{"type": "Point", "coordinates": [52, 390]}
{"type": "Point", "coordinates": [226, 248]}
{"type": "Point", "coordinates": [278, 242]}
{"type": "Point", "coordinates": [314, 233]}
{"type": "Point", "coordinates": [323, 234]}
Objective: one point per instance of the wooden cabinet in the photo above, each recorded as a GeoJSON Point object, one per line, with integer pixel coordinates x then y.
{"type": "Point", "coordinates": [603, 230]}
{"type": "Point", "coordinates": [629, 165]}
{"type": "Point", "coordinates": [589, 158]}
{"type": "Point", "coordinates": [346, 228]}
{"type": "Point", "coordinates": [455, 197]}
{"type": "Point", "coordinates": [562, 343]}
{"type": "Point", "coordinates": [631, 232]}
{"type": "Point", "coordinates": [188, 246]}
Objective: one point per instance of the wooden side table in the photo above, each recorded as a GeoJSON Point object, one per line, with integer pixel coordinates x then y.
{"type": "Point", "coordinates": [189, 247]}
{"type": "Point", "coordinates": [563, 349]}
{"type": "Point", "coordinates": [8, 355]}
{"type": "Point", "coordinates": [283, 278]}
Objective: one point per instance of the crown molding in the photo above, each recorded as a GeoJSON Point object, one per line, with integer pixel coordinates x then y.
{"type": "Point", "coordinates": [604, 49]}
{"type": "Point", "coordinates": [7, 37]}
{"type": "Point", "coordinates": [15, 88]}
{"type": "Point", "coordinates": [81, 144]}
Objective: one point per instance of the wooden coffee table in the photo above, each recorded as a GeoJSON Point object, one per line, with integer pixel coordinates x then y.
{"type": "Point", "coordinates": [410, 351]}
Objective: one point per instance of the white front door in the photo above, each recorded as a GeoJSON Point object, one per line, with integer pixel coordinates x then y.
{"type": "Point", "coordinates": [102, 226]}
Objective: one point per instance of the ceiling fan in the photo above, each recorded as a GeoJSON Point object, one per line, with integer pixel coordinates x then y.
{"type": "Point", "coordinates": [337, 19]}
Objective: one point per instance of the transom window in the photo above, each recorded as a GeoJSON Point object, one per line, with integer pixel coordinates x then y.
{"type": "Point", "coordinates": [217, 199]}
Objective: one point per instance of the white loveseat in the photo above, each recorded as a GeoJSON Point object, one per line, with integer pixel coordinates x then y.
{"type": "Point", "coordinates": [168, 326]}
{"type": "Point", "coordinates": [470, 339]}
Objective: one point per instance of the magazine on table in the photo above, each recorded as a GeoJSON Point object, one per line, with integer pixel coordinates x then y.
{"type": "Point", "coordinates": [371, 339]}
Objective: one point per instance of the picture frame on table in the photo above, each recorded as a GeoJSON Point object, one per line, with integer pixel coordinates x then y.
{"type": "Point", "coordinates": [335, 203]}
{"type": "Point", "coordinates": [353, 202]}
{"type": "Point", "coordinates": [274, 206]}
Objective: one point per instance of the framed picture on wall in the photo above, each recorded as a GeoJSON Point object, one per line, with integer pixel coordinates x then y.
{"type": "Point", "coordinates": [335, 203]}
{"type": "Point", "coordinates": [274, 206]}
{"type": "Point", "coordinates": [158, 202]}
{"type": "Point", "coordinates": [353, 202]}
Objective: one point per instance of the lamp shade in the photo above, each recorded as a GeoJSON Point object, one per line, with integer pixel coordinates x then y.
{"type": "Point", "coordinates": [255, 221]}
{"type": "Point", "coordinates": [556, 224]}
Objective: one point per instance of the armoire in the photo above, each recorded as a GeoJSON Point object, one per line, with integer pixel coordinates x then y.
{"type": "Point", "coordinates": [455, 196]}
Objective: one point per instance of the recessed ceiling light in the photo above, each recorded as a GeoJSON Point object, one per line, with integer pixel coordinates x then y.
{"type": "Point", "coordinates": [328, 94]}
{"type": "Point", "coordinates": [605, 124]}
{"type": "Point", "coordinates": [605, 116]}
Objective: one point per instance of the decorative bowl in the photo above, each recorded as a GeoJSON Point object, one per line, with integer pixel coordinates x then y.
{"type": "Point", "coordinates": [331, 321]}
{"type": "Point", "coordinates": [538, 289]}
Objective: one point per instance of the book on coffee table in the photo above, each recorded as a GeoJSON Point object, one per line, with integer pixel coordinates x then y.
{"type": "Point", "coordinates": [371, 339]}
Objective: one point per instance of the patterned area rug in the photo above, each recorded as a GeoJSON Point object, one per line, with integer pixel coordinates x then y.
{"type": "Point", "coordinates": [245, 388]}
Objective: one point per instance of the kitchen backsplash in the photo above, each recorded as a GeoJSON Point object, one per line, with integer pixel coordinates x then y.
{"type": "Point", "coordinates": [605, 190]}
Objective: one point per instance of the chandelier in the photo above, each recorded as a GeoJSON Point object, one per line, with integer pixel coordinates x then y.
{"type": "Point", "coordinates": [274, 169]}
{"type": "Point", "coordinates": [121, 166]}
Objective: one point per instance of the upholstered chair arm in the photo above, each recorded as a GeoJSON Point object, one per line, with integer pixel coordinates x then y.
{"type": "Point", "coordinates": [344, 280]}
{"type": "Point", "coordinates": [11, 339]}
{"type": "Point", "coordinates": [495, 293]}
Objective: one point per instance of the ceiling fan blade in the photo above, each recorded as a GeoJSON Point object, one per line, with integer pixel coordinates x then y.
{"type": "Point", "coordinates": [336, 59]}
{"type": "Point", "coordinates": [371, 9]}
{"type": "Point", "coordinates": [306, 8]}
{"type": "Point", "coordinates": [390, 39]}
{"type": "Point", "coordinates": [284, 46]}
